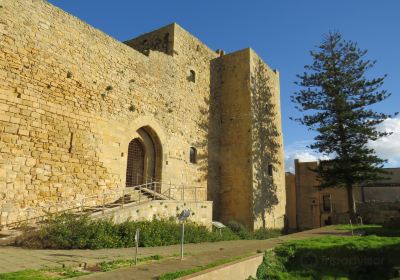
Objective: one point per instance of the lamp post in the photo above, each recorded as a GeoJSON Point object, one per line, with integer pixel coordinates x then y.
{"type": "Point", "coordinates": [137, 245]}
{"type": "Point", "coordinates": [185, 214]}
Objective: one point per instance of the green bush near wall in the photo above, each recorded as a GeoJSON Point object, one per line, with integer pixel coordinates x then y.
{"type": "Point", "coordinates": [262, 233]}
{"type": "Point", "coordinates": [68, 231]}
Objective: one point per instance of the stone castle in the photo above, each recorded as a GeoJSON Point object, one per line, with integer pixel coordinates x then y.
{"type": "Point", "coordinates": [82, 114]}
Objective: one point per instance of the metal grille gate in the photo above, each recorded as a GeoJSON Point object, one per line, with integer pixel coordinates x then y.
{"type": "Point", "coordinates": [135, 164]}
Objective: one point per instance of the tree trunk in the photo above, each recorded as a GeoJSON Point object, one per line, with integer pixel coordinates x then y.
{"type": "Point", "coordinates": [351, 204]}
{"type": "Point", "coordinates": [263, 219]}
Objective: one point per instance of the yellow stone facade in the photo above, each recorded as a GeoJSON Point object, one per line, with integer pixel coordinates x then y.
{"type": "Point", "coordinates": [309, 206]}
{"type": "Point", "coordinates": [72, 99]}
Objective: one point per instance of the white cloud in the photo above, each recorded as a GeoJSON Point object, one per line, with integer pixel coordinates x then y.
{"type": "Point", "coordinates": [386, 147]}
{"type": "Point", "coordinates": [298, 150]}
{"type": "Point", "coordinates": [389, 147]}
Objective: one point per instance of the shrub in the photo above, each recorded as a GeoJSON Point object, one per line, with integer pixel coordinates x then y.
{"type": "Point", "coordinates": [262, 233]}
{"type": "Point", "coordinates": [68, 231]}
{"type": "Point", "coordinates": [239, 229]}
{"type": "Point", "coordinates": [226, 234]}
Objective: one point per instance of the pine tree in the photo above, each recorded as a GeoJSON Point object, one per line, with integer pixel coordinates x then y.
{"type": "Point", "coordinates": [335, 97]}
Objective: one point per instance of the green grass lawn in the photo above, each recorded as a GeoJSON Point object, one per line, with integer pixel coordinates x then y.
{"type": "Point", "coordinates": [378, 230]}
{"type": "Point", "coordinates": [355, 227]}
{"type": "Point", "coordinates": [67, 273]}
{"type": "Point", "coordinates": [42, 274]}
{"type": "Point", "coordinates": [112, 265]}
{"type": "Point", "coordinates": [334, 257]}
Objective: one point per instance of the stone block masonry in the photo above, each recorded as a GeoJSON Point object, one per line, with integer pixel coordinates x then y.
{"type": "Point", "coordinates": [201, 212]}
{"type": "Point", "coordinates": [73, 99]}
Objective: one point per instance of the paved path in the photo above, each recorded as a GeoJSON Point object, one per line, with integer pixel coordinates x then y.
{"type": "Point", "coordinates": [14, 259]}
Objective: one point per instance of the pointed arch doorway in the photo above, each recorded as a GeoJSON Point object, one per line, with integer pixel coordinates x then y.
{"type": "Point", "coordinates": [144, 158]}
{"type": "Point", "coordinates": [135, 164]}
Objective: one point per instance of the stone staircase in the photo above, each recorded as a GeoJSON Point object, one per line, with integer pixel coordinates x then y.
{"type": "Point", "coordinates": [131, 196]}
{"type": "Point", "coordinates": [106, 202]}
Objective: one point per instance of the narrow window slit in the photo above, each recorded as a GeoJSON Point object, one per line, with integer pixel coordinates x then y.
{"type": "Point", "coordinates": [193, 155]}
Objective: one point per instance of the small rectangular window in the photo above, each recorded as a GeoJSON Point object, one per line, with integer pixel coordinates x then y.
{"type": "Point", "coordinates": [270, 169]}
{"type": "Point", "coordinates": [192, 76]}
{"type": "Point", "coordinates": [193, 155]}
{"type": "Point", "coordinates": [327, 203]}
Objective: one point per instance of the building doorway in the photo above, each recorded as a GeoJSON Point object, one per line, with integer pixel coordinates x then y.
{"type": "Point", "coordinates": [144, 159]}
{"type": "Point", "coordinates": [135, 164]}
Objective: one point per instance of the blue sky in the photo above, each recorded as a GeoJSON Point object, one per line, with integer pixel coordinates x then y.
{"type": "Point", "coordinates": [281, 32]}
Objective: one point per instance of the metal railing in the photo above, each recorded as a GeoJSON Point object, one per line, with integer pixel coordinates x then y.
{"type": "Point", "coordinates": [106, 201]}
{"type": "Point", "coordinates": [183, 193]}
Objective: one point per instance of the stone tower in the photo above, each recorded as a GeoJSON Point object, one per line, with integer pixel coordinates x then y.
{"type": "Point", "coordinates": [246, 88]}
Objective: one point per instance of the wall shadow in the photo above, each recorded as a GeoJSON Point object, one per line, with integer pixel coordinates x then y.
{"type": "Point", "coordinates": [265, 145]}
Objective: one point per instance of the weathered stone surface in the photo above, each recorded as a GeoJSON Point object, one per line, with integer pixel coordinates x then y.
{"type": "Point", "coordinates": [73, 98]}
{"type": "Point", "coordinates": [201, 212]}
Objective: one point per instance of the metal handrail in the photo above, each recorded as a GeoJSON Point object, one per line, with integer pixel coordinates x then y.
{"type": "Point", "coordinates": [181, 193]}
{"type": "Point", "coordinates": [105, 199]}
{"type": "Point", "coordinates": [150, 179]}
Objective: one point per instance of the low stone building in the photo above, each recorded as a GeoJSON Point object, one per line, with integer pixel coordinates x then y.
{"type": "Point", "coordinates": [309, 206]}
{"type": "Point", "coordinates": [83, 115]}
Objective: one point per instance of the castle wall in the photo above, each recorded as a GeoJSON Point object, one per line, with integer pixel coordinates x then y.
{"type": "Point", "coordinates": [244, 146]}
{"type": "Point", "coordinates": [214, 138]}
{"type": "Point", "coordinates": [269, 195]}
{"type": "Point", "coordinates": [308, 200]}
{"type": "Point", "coordinates": [72, 99]}
{"type": "Point", "coordinates": [379, 212]}
{"type": "Point", "coordinates": [235, 193]}
{"type": "Point", "coordinates": [381, 193]}
{"type": "Point", "coordinates": [161, 40]}
{"type": "Point", "coordinates": [291, 201]}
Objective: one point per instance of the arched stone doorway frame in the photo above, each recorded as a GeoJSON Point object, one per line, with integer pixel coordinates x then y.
{"type": "Point", "coordinates": [157, 135]}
